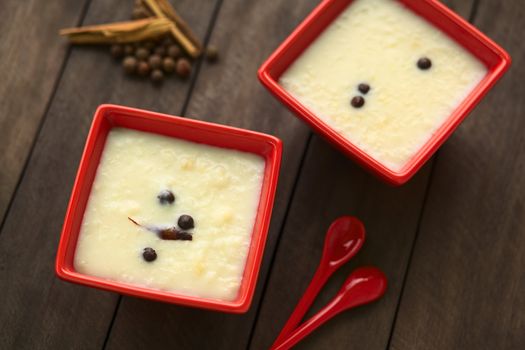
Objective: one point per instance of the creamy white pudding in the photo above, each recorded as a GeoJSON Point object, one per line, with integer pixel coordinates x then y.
{"type": "Point", "coordinates": [219, 188]}
{"type": "Point", "coordinates": [416, 76]}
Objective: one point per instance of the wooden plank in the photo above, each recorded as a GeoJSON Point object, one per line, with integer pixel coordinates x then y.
{"type": "Point", "coordinates": [30, 66]}
{"type": "Point", "coordinates": [330, 185]}
{"type": "Point", "coordinates": [246, 33]}
{"type": "Point", "coordinates": [36, 309]}
{"type": "Point", "coordinates": [466, 287]}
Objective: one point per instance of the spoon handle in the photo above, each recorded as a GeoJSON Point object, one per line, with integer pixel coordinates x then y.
{"type": "Point", "coordinates": [318, 281]}
{"type": "Point", "coordinates": [325, 314]}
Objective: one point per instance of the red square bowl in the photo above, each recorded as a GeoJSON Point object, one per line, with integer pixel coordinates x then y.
{"type": "Point", "coordinates": [494, 57]}
{"type": "Point", "coordinates": [109, 116]}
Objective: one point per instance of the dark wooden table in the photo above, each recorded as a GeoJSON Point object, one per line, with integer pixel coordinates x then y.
{"type": "Point", "coordinates": [451, 241]}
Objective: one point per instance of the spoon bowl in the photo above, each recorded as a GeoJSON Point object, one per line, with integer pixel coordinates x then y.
{"type": "Point", "coordinates": [364, 285]}
{"type": "Point", "coordinates": [344, 238]}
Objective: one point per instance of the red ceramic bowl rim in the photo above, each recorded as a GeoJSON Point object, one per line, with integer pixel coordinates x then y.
{"type": "Point", "coordinates": [364, 159]}
{"type": "Point", "coordinates": [242, 303]}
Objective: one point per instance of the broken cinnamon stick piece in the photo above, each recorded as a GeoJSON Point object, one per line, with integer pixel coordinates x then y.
{"type": "Point", "coordinates": [119, 32]}
{"type": "Point", "coordinates": [186, 42]}
{"type": "Point", "coordinates": [154, 7]}
{"type": "Point", "coordinates": [172, 14]}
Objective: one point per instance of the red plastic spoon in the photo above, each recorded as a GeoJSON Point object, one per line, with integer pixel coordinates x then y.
{"type": "Point", "coordinates": [344, 238]}
{"type": "Point", "coordinates": [363, 286]}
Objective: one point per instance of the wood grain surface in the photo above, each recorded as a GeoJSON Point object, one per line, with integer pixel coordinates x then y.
{"type": "Point", "coordinates": [32, 57]}
{"type": "Point", "coordinates": [466, 282]}
{"type": "Point", "coordinates": [451, 241]}
{"type": "Point", "coordinates": [228, 93]}
{"type": "Point", "coordinates": [330, 186]}
{"type": "Point", "coordinates": [37, 309]}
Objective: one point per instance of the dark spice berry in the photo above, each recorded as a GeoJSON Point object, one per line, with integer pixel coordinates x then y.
{"type": "Point", "coordinates": [424, 63]}
{"type": "Point", "coordinates": [149, 254]}
{"type": "Point", "coordinates": [157, 76]}
{"type": "Point", "coordinates": [168, 65]}
{"type": "Point", "coordinates": [173, 51]}
{"type": "Point", "coordinates": [363, 88]}
{"type": "Point", "coordinates": [185, 222]}
{"type": "Point", "coordinates": [166, 197]}
{"type": "Point", "coordinates": [160, 50]}
{"type": "Point", "coordinates": [142, 53]}
{"type": "Point", "coordinates": [212, 54]}
{"type": "Point", "coordinates": [149, 45]}
{"type": "Point", "coordinates": [154, 61]}
{"type": "Point", "coordinates": [357, 101]}
{"type": "Point", "coordinates": [183, 68]}
{"type": "Point", "coordinates": [130, 64]}
{"type": "Point", "coordinates": [143, 68]}
{"type": "Point", "coordinates": [129, 49]}
{"type": "Point", "coordinates": [167, 41]}
{"type": "Point", "coordinates": [117, 51]}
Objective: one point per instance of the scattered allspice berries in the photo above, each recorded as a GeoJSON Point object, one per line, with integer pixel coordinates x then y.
{"type": "Point", "coordinates": [143, 68]}
{"type": "Point", "coordinates": [117, 51]}
{"type": "Point", "coordinates": [155, 61]}
{"type": "Point", "coordinates": [160, 50]}
{"type": "Point", "coordinates": [212, 53]}
{"type": "Point", "coordinates": [183, 68]}
{"type": "Point", "coordinates": [129, 49]}
{"type": "Point", "coordinates": [130, 64]}
{"type": "Point", "coordinates": [157, 76]}
{"type": "Point", "coordinates": [154, 58]}
{"type": "Point", "coordinates": [142, 53]}
{"type": "Point", "coordinates": [148, 46]}
{"type": "Point", "coordinates": [174, 51]}
{"type": "Point", "coordinates": [168, 65]}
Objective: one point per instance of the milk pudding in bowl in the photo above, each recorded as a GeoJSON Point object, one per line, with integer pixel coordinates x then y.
{"type": "Point", "coordinates": [170, 214]}
{"type": "Point", "coordinates": [173, 219]}
{"type": "Point", "coordinates": [380, 80]}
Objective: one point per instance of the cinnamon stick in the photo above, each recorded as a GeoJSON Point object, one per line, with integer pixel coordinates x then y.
{"type": "Point", "coordinates": [172, 14]}
{"type": "Point", "coordinates": [187, 44]}
{"type": "Point", "coordinates": [119, 32]}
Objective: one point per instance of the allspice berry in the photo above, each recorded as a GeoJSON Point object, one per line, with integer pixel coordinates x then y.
{"type": "Point", "coordinates": [183, 68]}
{"type": "Point", "coordinates": [128, 49]}
{"type": "Point", "coordinates": [166, 197]}
{"type": "Point", "coordinates": [357, 101]}
{"type": "Point", "coordinates": [117, 51]}
{"type": "Point", "coordinates": [130, 64]}
{"type": "Point", "coordinates": [157, 76]}
{"type": "Point", "coordinates": [143, 68]}
{"type": "Point", "coordinates": [155, 61]}
{"type": "Point", "coordinates": [149, 45]}
{"type": "Point", "coordinates": [160, 50]}
{"type": "Point", "coordinates": [168, 65]}
{"type": "Point", "coordinates": [149, 254]}
{"type": "Point", "coordinates": [167, 41]}
{"type": "Point", "coordinates": [424, 63]}
{"type": "Point", "coordinates": [212, 54]}
{"type": "Point", "coordinates": [173, 51]}
{"type": "Point", "coordinates": [142, 53]}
